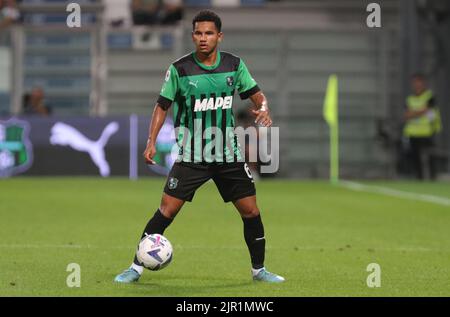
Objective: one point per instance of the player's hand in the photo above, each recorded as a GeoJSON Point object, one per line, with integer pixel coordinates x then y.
{"type": "Point", "coordinates": [149, 153]}
{"type": "Point", "coordinates": [262, 117]}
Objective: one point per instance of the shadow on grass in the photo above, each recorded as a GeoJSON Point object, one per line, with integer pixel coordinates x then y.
{"type": "Point", "coordinates": [187, 286]}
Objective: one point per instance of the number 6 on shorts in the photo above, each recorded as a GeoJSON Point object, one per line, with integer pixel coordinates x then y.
{"type": "Point", "coordinates": [247, 170]}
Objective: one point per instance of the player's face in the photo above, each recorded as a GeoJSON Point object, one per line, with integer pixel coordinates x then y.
{"type": "Point", "coordinates": [206, 37]}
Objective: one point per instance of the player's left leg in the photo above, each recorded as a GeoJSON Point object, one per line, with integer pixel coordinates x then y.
{"type": "Point", "coordinates": [255, 239]}
{"type": "Point", "coordinates": [182, 182]}
{"type": "Point", "coordinates": [235, 183]}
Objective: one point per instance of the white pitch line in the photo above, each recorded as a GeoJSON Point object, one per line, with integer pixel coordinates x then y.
{"type": "Point", "coordinates": [396, 193]}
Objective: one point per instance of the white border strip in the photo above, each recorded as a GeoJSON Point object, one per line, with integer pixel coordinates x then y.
{"type": "Point", "coordinates": [396, 193]}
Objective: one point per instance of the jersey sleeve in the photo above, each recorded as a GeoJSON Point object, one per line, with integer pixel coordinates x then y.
{"type": "Point", "coordinates": [245, 83]}
{"type": "Point", "coordinates": [169, 88]}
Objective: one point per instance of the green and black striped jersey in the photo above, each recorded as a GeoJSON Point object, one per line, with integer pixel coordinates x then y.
{"type": "Point", "coordinates": [203, 106]}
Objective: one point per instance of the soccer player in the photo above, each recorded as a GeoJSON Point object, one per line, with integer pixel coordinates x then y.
{"type": "Point", "coordinates": [201, 86]}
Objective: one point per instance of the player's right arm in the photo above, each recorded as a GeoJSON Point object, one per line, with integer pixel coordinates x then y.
{"type": "Point", "coordinates": [248, 88]}
{"type": "Point", "coordinates": [166, 97]}
{"type": "Point", "coordinates": [157, 121]}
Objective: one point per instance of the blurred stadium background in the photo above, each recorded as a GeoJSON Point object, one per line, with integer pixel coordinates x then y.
{"type": "Point", "coordinates": [110, 68]}
{"type": "Point", "coordinates": [101, 81]}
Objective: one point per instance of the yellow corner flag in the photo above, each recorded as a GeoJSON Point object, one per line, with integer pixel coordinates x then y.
{"type": "Point", "coordinates": [330, 113]}
{"type": "Point", "coordinates": [331, 101]}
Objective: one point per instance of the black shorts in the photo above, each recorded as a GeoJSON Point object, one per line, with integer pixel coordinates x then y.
{"type": "Point", "coordinates": [233, 180]}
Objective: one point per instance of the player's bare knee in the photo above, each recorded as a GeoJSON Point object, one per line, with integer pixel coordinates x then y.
{"type": "Point", "coordinates": [168, 212]}
{"type": "Point", "coordinates": [170, 207]}
{"type": "Point", "coordinates": [251, 213]}
{"type": "Point", "coordinates": [167, 209]}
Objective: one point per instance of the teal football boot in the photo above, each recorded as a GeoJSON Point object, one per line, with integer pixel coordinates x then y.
{"type": "Point", "coordinates": [128, 276]}
{"type": "Point", "coordinates": [265, 276]}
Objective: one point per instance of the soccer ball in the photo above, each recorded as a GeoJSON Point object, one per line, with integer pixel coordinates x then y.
{"type": "Point", "coordinates": [154, 252]}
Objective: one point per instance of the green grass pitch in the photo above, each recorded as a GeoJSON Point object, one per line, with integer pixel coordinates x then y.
{"type": "Point", "coordinates": [320, 237]}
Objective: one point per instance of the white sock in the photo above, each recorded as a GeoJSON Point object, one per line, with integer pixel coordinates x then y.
{"type": "Point", "coordinates": [137, 268]}
{"type": "Point", "coordinates": [255, 272]}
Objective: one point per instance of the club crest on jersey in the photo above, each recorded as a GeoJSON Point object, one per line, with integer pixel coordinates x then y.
{"type": "Point", "coordinates": [166, 79]}
{"type": "Point", "coordinates": [173, 183]}
{"type": "Point", "coordinates": [213, 103]}
{"type": "Point", "coordinates": [230, 81]}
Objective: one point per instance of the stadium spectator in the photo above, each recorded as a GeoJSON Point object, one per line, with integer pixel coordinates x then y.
{"type": "Point", "coordinates": [151, 12]}
{"type": "Point", "coordinates": [422, 123]}
{"type": "Point", "coordinates": [33, 103]}
{"type": "Point", "coordinates": [145, 12]}
{"type": "Point", "coordinates": [171, 12]}
{"type": "Point", "coordinates": [117, 12]}
{"type": "Point", "coordinates": [9, 13]}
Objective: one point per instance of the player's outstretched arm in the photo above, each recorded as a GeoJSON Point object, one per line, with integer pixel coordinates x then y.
{"type": "Point", "coordinates": [157, 121]}
{"type": "Point", "coordinates": [262, 112]}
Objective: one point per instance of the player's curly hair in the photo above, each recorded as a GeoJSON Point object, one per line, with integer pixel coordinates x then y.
{"type": "Point", "coordinates": [207, 16]}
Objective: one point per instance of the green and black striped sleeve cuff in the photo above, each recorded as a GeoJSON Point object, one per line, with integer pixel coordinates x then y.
{"type": "Point", "coordinates": [164, 102]}
{"type": "Point", "coordinates": [246, 94]}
